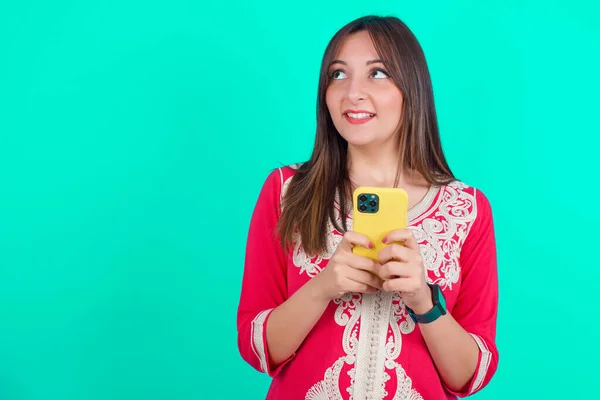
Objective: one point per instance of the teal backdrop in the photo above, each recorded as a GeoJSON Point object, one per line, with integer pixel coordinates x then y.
{"type": "Point", "coordinates": [135, 136]}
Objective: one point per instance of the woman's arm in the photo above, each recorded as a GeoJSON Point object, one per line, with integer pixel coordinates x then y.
{"type": "Point", "coordinates": [453, 350]}
{"type": "Point", "coordinates": [345, 272]}
{"type": "Point", "coordinates": [264, 286]}
{"type": "Point", "coordinates": [271, 326]}
{"type": "Point", "coordinates": [476, 308]}
{"type": "Point", "coordinates": [291, 322]}
{"type": "Point", "coordinates": [462, 342]}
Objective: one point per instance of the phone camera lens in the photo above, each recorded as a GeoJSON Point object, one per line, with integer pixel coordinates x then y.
{"type": "Point", "coordinates": [362, 207]}
{"type": "Point", "coordinates": [362, 197]}
{"type": "Point", "coordinates": [372, 203]}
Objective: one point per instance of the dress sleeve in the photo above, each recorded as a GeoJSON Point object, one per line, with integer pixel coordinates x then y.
{"type": "Point", "coordinates": [476, 307]}
{"type": "Point", "coordinates": [264, 279]}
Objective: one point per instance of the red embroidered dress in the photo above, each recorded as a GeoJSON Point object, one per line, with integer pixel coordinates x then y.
{"type": "Point", "coordinates": [365, 346]}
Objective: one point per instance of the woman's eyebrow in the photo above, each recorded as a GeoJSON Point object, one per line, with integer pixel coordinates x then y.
{"type": "Point", "coordinates": [367, 63]}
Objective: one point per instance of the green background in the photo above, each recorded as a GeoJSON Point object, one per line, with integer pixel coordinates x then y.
{"type": "Point", "coordinates": [120, 268]}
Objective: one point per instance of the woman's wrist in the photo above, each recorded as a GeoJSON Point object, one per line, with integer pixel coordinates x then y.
{"type": "Point", "coordinates": [422, 305]}
{"type": "Point", "coordinates": [316, 292]}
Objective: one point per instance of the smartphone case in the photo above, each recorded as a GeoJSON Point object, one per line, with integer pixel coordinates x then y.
{"type": "Point", "coordinates": [390, 214]}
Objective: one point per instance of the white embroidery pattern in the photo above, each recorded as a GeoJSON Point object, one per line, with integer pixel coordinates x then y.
{"type": "Point", "coordinates": [347, 314]}
{"type": "Point", "coordinates": [311, 265]}
{"type": "Point", "coordinates": [258, 345]}
{"type": "Point", "coordinates": [329, 388]}
{"type": "Point", "coordinates": [405, 390]}
{"type": "Point", "coordinates": [442, 235]}
{"type": "Point", "coordinates": [371, 354]}
{"type": "Point", "coordinates": [399, 323]}
{"type": "Point", "coordinates": [373, 351]}
{"type": "Point", "coordinates": [369, 351]}
{"type": "Point", "coordinates": [486, 358]}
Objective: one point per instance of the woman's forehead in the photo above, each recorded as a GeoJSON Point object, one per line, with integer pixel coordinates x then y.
{"type": "Point", "coordinates": [357, 48]}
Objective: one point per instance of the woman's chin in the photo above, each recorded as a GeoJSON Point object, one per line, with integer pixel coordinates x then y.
{"type": "Point", "coordinates": [360, 141]}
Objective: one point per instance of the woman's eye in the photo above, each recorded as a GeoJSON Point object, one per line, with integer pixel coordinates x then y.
{"type": "Point", "coordinates": [379, 74]}
{"type": "Point", "coordinates": [337, 74]}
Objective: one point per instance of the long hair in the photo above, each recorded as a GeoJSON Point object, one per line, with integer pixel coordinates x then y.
{"type": "Point", "coordinates": [309, 201]}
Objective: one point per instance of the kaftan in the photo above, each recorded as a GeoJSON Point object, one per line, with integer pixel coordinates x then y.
{"type": "Point", "coordinates": [365, 346]}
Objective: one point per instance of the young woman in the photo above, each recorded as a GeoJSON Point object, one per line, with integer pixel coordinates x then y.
{"type": "Point", "coordinates": [419, 323]}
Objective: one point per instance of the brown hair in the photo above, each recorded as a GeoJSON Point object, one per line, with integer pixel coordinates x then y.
{"type": "Point", "coordinates": [309, 200]}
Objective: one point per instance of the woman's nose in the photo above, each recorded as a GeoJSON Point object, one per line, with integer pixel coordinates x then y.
{"type": "Point", "coordinates": [356, 90]}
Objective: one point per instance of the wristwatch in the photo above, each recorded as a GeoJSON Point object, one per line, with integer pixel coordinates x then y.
{"type": "Point", "coordinates": [439, 307]}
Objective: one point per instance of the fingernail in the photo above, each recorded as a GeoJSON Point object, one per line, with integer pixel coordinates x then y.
{"type": "Point", "coordinates": [384, 240]}
{"type": "Point", "coordinates": [370, 245]}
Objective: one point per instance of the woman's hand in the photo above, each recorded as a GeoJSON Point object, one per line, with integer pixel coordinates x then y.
{"type": "Point", "coordinates": [403, 270]}
{"type": "Point", "coordinates": [348, 272]}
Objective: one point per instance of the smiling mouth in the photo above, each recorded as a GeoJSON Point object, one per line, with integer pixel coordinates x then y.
{"type": "Point", "coordinates": [358, 118]}
{"type": "Point", "coordinates": [359, 115]}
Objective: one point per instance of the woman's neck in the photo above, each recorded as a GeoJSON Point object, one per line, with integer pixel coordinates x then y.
{"type": "Point", "coordinates": [379, 168]}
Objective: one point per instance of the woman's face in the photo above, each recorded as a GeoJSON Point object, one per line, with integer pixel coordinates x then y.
{"type": "Point", "coordinates": [364, 103]}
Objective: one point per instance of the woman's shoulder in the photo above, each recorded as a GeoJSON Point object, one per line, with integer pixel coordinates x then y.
{"type": "Point", "coordinates": [278, 179]}
{"type": "Point", "coordinates": [282, 175]}
{"type": "Point", "coordinates": [460, 186]}
{"type": "Point", "coordinates": [288, 171]}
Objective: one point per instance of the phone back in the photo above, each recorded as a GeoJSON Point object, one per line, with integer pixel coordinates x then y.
{"type": "Point", "coordinates": [377, 212]}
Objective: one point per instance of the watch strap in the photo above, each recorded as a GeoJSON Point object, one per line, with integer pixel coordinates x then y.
{"type": "Point", "coordinates": [437, 311]}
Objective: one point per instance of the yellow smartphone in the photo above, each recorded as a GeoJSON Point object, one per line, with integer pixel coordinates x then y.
{"type": "Point", "coordinates": [377, 212]}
